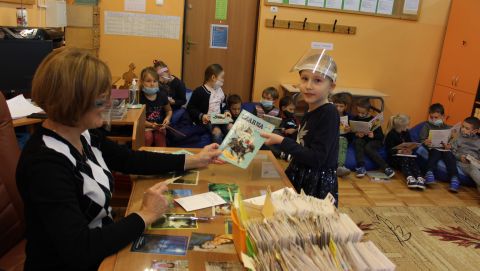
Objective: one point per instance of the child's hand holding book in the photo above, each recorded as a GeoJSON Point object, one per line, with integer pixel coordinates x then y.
{"type": "Point", "coordinates": [205, 118]}
{"type": "Point", "coordinates": [272, 139]}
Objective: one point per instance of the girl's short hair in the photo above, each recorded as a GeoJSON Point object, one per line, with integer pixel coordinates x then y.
{"type": "Point", "coordinates": [272, 91]}
{"type": "Point", "coordinates": [67, 83]}
{"type": "Point", "coordinates": [150, 71]}
{"type": "Point", "coordinates": [158, 63]}
{"type": "Point", "coordinates": [397, 121]}
{"type": "Point", "coordinates": [214, 69]}
{"type": "Point", "coordinates": [234, 99]}
{"type": "Point", "coordinates": [364, 103]}
{"type": "Point", "coordinates": [286, 101]}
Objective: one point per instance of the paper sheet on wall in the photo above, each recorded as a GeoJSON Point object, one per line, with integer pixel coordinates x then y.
{"type": "Point", "coordinates": [219, 36]}
{"type": "Point", "coordinates": [297, 2]}
{"type": "Point", "coordinates": [351, 5]}
{"type": "Point", "coordinates": [135, 5]}
{"type": "Point", "coordinates": [385, 7]}
{"type": "Point", "coordinates": [56, 13]}
{"type": "Point", "coordinates": [369, 6]}
{"type": "Point", "coordinates": [411, 6]}
{"type": "Point", "coordinates": [337, 4]}
{"type": "Point", "coordinates": [316, 3]}
{"type": "Point", "coordinates": [143, 25]}
{"type": "Point", "coordinates": [221, 9]}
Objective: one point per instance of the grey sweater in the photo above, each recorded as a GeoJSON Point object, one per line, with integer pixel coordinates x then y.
{"type": "Point", "coordinates": [428, 126]}
{"type": "Point", "coordinates": [466, 145]}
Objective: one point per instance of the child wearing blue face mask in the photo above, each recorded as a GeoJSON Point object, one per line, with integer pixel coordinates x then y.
{"type": "Point", "coordinates": [436, 116]}
{"type": "Point", "coordinates": [468, 144]}
{"type": "Point", "coordinates": [158, 109]}
{"type": "Point", "coordinates": [267, 103]}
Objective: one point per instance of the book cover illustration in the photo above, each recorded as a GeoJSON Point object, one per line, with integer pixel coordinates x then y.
{"type": "Point", "coordinates": [243, 141]}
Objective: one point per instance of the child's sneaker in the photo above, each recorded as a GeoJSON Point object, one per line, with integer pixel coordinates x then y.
{"type": "Point", "coordinates": [429, 177]}
{"type": "Point", "coordinates": [342, 171]}
{"type": "Point", "coordinates": [421, 183]}
{"type": "Point", "coordinates": [360, 172]}
{"type": "Point", "coordinates": [454, 184]}
{"type": "Point", "coordinates": [411, 182]}
{"type": "Point", "coordinates": [389, 172]}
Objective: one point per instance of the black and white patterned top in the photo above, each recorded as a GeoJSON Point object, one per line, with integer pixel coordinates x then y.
{"type": "Point", "coordinates": [67, 194]}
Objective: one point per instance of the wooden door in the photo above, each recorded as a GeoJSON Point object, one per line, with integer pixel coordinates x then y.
{"type": "Point", "coordinates": [460, 55]}
{"type": "Point", "coordinates": [461, 106]}
{"type": "Point", "coordinates": [237, 60]}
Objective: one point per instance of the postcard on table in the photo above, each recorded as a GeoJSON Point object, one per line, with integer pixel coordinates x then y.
{"type": "Point", "coordinates": [188, 178]}
{"type": "Point", "coordinates": [167, 222]}
{"type": "Point", "coordinates": [161, 244]}
{"type": "Point", "coordinates": [200, 201]}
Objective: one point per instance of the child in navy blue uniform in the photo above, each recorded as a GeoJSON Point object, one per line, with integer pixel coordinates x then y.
{"type": "Point", "coordinates": [368, 144]}
{"type": "Point", "coordinates": [398, 133]}
{"type": "Point", "coordinates": [158, 110]}
{"type": "Point", "coordinates": [315, 150]}
{"type": "Point", "coordinates": [175, 88]}
{"type": "Point", "coordinates": [342, 101]}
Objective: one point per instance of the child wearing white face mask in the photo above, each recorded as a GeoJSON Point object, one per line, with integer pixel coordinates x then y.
{"type": "Point", "coordinates": [468, 143]}
{"type": "Point", "coordinates": [436, 116]}
{"type": "Point", "coordinates": [209, 98]}
{"type": "Point", "coordinates": [267, 103]}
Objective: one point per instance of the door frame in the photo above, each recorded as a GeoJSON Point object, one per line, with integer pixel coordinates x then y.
{"type": "Point", "coordinates": [255, 40]}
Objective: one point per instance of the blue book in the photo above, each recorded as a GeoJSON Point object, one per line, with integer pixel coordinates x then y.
{"type": "Point", "coordinates": [243, 141]}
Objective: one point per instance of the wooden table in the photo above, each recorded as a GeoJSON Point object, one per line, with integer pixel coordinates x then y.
{"type": "Point", "coordinates": [250, 183]}
{"type": "Point", "coordinates": [25, 121]}
{"type": "Point", "coordinates": [136, 119]}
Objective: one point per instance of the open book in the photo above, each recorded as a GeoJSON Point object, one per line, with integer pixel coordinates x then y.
{"type": "Point", "coordinates": [20, 107]}
{"type": "Point", "coordinates": [276, 121]}
{"type": "Point", "coordinates": [216, 118]}
{"type": "Point", "coordinates": [367, 126]}
{"type": "Point", "coordinates": [407, 146]}
{"type": "Point", "coordinates": [243, 141]}
{"type": "Point", "coordinates": [475, 162]}
{"type": "Point", "coordinates": [439, 138]}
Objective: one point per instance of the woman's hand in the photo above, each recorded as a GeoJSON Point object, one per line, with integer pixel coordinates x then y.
{"type": "Point", "coordinates": [208, 155]}
{"type": "Point", "coordinates": [272, 139]}
{"type": "Point", "coordinates": [205, 118]}
{"type": "Point", "coordinates": [154, 203]}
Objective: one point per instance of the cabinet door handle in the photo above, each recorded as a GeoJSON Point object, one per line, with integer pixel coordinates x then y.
{"type": "Point", "coordinates": [453, 81]}
{"type": "Point", "coordinates": [453, 96]}
{"type": "Point", "coordinates": [450, 96]}
{"type": "Point", "coordinates": [456, 80]}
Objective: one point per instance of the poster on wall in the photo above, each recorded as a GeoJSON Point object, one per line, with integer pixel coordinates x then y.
{"type": "Point", "coordinates": [135, 5]}
{"type": "Point", "coordinates": [219, 36]}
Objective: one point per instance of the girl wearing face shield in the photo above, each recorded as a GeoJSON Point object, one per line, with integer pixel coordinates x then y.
{"type": "Point", "coordinates": [315, 151]}
{"type": "Point", "coordinates": [175, 88]}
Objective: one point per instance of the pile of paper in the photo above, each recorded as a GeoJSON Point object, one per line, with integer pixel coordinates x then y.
{"type": "Point", "coordinates": [20, 107]}
{"type": "Point", "coordinates": [301, 232]}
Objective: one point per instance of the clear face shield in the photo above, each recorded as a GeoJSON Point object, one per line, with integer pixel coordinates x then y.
{"type": "Point", "coordinates": [107, 106]}
{"type": "Point", "coordinates": [317, 61]}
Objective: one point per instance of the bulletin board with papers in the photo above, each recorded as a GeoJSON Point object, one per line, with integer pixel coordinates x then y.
{"type": "Point", "coordinates": [397, 9]}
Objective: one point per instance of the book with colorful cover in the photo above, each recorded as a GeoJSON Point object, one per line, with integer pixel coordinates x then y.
{"type": "Point", "coordinates": [243, 141]}
{"type": "Point", "coordinates": [343, 124]}
{"type": "Point", "coordinates": [367, 126]}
